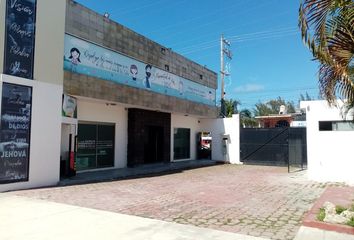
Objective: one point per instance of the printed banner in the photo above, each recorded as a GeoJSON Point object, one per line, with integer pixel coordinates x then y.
{"type": "Point", "coordinates": [20, 38]}
{"type": "Point", "coordinates": [90, 59]}
{"type": "Point", "coordinates": [15, 132]}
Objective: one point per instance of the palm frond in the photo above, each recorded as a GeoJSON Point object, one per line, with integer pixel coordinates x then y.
{"type": "Point", "coordinates": [313, 16]}
{"type": "Point", "coordinates": [327, 28]}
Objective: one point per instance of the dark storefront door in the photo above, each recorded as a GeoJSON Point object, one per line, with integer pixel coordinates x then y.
{"type": "Point", "coordinates": [149, 137]}
{"type": "Point", "coordinates": [154, 144]}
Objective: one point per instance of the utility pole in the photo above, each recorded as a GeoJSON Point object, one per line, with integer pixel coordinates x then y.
{"type": "Point", "coordinates": [224, 51]}
{"type": "Point", "coordinates": [222, 68]}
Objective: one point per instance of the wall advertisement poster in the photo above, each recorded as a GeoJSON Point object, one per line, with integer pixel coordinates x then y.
{"type": "Point", "coordinates": [15, 129]}
{"type": "Point", "coordinates": [20, 38]}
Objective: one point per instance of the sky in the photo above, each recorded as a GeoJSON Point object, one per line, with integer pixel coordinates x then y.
{"type": "Point", "coordinates": [269, 57]}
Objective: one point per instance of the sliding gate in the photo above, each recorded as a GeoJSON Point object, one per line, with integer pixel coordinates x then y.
{"type": "Point", "coordinates": [274, 146]}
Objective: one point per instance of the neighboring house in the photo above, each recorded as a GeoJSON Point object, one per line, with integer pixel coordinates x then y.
{"type": "Point", "coordinates": [282, 120]}
{"type": "Point", "coordinates": [275, 120]}
{"type": "Point", "coordinates": [330, 134]}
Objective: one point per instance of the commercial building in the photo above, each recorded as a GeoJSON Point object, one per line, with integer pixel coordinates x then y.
{"type": "Point", "coordinates": [82, 92]}
{"type": "Point", "coordinates": [143, 99]}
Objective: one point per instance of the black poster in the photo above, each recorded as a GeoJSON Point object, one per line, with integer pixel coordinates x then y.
{"type": "Point", "coordinates": [20, 38]}
{"type": "Point", "coordinates": [15, 132]}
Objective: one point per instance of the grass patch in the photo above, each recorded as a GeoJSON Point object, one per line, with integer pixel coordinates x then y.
{"type": "Point", "coordinates": [351, 222]}
{"type": "Point", "coordinates": [340, 209]}
{"type": "Point", "coordinates": [321, 214]}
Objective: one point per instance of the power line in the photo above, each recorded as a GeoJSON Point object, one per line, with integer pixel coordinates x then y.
{"type": "Point", "coordinates": [216, 12]}
{"type": "Point", "coordinates": [207, 23]}
{"type": "Point", "coordinates": [131, 10]}
{"type": "Point", "coordinates": [283, 90]}
{"type": "Point", "coordinates": [291, 94]}
{"type": "Point", "coordinates": [269, 36]}
{"type": "Point", "coordinates": [243, 37]}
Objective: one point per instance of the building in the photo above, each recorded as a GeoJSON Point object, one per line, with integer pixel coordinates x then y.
{"type": "Point", "coordinates": [82, 92]}
{"type": "Point", "coordinates": [329, 142]}
{"type": "Point", "coordinates": [31, 67]}
{"type": "Point", "coordinates": [275, 120]}
{"type": "Point", "coordinates": [282, 120]}
{"type": "Point", "coordinates": [135, 84]}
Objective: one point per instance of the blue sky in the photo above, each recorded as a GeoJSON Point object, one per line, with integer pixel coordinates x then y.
{"type": "Point", "coordinates": [269, 58]}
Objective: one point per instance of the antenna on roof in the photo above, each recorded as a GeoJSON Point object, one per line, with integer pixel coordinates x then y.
{"type": "Point", "coordinates": [106, 15]}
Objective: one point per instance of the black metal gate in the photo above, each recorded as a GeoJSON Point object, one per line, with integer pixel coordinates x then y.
{"type": "Point", "coordinates": [274, 146]}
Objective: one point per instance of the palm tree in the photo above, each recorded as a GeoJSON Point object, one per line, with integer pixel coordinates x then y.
{"type": "Point", "coordinates": [327, 28]}
{"type": "Point", "coordinates": [247, 119]}
{"type": "Point", "coordinates": [230, 107]}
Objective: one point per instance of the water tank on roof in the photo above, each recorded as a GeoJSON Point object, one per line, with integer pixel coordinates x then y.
{"type": "Point", "coordinates": [283, 109]}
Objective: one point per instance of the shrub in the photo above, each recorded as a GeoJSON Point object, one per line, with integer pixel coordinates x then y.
{"type": "Point", "coordinates": [321, 214]}
{"type": "Point", "coordinates": [351, 222]}
{"type": "Point", "coordinates": [340, 209]}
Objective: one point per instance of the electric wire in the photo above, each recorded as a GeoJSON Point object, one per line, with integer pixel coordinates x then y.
{"type": "Point", "coordinates": [269, 36]}
{"type": "Point", "coordinates": [245, 36]}
{"type": "Point", "coordinates": [208, 23]}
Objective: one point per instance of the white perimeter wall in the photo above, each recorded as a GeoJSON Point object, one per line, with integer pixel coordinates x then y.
{"type": "Point", "coordinates": [218, 127]}
{"type": "Point", "coordinates": [329, 153]}
{"type": "Point", "coordinates": [100, 112]}
{"type": "Point", "coordinates": [44, 162]}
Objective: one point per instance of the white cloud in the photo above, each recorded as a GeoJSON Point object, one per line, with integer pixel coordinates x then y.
{"type": "Point", "coordinates": [249, 88]}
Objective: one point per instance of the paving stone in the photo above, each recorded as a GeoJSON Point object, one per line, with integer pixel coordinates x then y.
{"type": "Point", "coordinates": [255, 200]}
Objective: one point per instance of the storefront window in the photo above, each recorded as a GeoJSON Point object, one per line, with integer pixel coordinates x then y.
{"type": "Point", "coordinates": [181, 143]}
{"type": "Point", "coordinates": [95, 146]}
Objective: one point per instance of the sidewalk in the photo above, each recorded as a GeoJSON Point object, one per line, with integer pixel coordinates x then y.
{"type": "Point", "coordinates": [308, 233]}
{"type": "Point", "coordinates": [139, 171]}
{"type": "Point", "coordinates": [259, 201]}
{"type": "Point", "coordinates": [23, 218]}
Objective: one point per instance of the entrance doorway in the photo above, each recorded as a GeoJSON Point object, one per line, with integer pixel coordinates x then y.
{"type": "Point", "coordinates": [95, 145]}
{"type": "Point", "coordinates": [153, 144]}
{"type": "Point", "coordinates": [204, 142]}
{"type": "Point", "coordinates": [149, 137]}
{"type": "Point", "coordinates": [67, 148]}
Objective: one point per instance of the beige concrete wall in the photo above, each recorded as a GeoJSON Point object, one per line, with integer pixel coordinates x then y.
{"type": "Point", "coordinates": [2, 33]}
{"type": "Point", "coordinates": [49, 48]}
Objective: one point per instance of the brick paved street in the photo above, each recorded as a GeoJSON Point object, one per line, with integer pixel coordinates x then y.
{"type": "Point", "coordinates": [254, 200]}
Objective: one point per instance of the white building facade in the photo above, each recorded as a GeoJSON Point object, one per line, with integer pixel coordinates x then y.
{"type": "Point", "coordinates": [31, 82]}
{"type": "Point", "coordinates": [330, 132]}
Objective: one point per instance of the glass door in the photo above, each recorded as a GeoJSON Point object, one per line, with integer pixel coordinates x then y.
{"type": "Point", "coordinates": [95, 146]}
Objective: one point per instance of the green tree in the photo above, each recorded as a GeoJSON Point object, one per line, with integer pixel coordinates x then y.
{"type": "Point", "coordinates": [273, 107]}
{"type": "Point", "coordinates": [247, 119]}
{"type": "Point", "coordinates": [305, 97]}
{"type": "Point", "coordinates": [230, 107]}
{"type": "Point", "coordinates": [262, 109]}
{"type": "Point", "coordinates": [327, 28]}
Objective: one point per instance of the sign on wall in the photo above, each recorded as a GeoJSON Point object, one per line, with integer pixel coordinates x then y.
{"type": "Point", "coordinates": [86, 58]}
{"type": "Point", "coordinates": [20, 38]}
{"type": "Point", "coordinates": [15, 132]}
{"type": "Point", "coordinates": [69, 106]}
